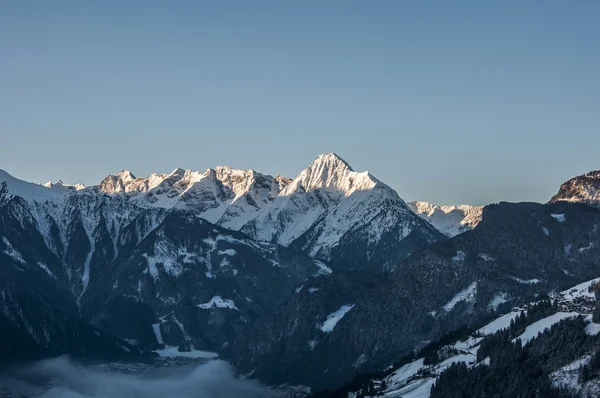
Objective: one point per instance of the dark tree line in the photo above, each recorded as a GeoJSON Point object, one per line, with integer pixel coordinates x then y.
{"type": "Point", "coordinates": [516, 370]}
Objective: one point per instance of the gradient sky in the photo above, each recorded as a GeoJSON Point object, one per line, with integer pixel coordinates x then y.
{"type": "Point", "coordinates": [449, 102]}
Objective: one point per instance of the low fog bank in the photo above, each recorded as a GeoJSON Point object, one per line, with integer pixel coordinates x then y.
{"type": "Point", "coordinates": [63, 378]}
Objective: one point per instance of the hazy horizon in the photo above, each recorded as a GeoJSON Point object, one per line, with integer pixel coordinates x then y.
{"type": "Point", "coordinates": [202, 169]}
{"type": "Point", "coordinates": [449, 103]}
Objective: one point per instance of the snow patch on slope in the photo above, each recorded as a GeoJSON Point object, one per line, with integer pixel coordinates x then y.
{"type": "Point", "coordinates": [498, 324]}
{"type": "Point", "coordinates": [467, 294]}
{"type": "Point", "coordinates": [499, 298]}
{"type": "Point", "coordinates": [11, 251]}
{"type": "Point", "coordinates": [538, 327]}
{"type": "Point", "coordinates": [45, 268]}
{"type": "Point", "coordinates": [335, 317]}
{"type": "Point", "coordinates": [218, 302]}
{"type": "Point", "coordinates": [568, 376]}
{"type": "Point", "coordinates": [525, 281]}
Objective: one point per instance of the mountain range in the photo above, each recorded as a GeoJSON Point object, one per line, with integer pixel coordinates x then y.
{"type": "Point", "coordinates": [312, 280]}
{"type": "Point", "coordinates": [142, 257]}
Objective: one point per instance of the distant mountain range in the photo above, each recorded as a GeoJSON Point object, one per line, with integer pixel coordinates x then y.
{"type": "Point", "coordinates": [153, 260]}
{"type": "Point", "coordinates": [311, 280]}
{"type": "Point", "coordinates": [449, 220]}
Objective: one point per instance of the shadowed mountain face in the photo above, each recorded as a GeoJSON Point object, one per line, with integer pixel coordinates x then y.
{"type": "Point", "coordinates": [517, 252]}
{"type": "Point", "coordinates": [166, 273]}
{"type": "Point", "coordinates": [329, 211]}
{"type": "Point", "coordinates": [149, 259]}
{"type": "Point", "coordinates": [34, 328]}
{"type": "Point", "coordinates": [240, 263]}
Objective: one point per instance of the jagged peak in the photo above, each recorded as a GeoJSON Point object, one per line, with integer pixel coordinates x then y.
{"type": "Point", "coordinates": [283, 181]}
{"type": "Point", "coordinates": [584, 188]}
{"type": "Point", "coordinates": [331, 159]}
{"type": "Point", "coordinates": [61, 185]}
{"type": "Point", "coordinates": [118, 182]}
{"type": "Point", "coordinates": [126, 175]}
{"type": "Point", "coordinates": [179, 172]}
{"type": "Point", "coordinates": [449, 220]}
{"type": "Point", "coordinates": [329, 171]}
{"type": "Point", "coordinates": [426, 207]}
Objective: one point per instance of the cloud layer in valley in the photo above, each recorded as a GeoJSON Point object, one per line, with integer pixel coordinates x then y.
{"type": "Point", "coordinates": [63, 378]}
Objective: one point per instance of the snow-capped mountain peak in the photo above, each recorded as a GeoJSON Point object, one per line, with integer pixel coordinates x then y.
{"type": "Point", "coordinates": [331, 172]}
{"type": "Point", "coordinates": [124, 181]}
{"type": "Point", "coordinates": [61, 185]}
{"type": "Point", "coordinates": [179, 172]}
{"type": "Point", "coordinates": [584, 188]}
{"type": "Point", "coordinates": [327, 211]}
{"type": "Point", "coordinates": [27, 190]}
{"type": "Point", "coordinates": [449, 220]}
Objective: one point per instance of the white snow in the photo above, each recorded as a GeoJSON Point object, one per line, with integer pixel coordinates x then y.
{"type": "Point", "coordinates": [218, 302]}
{"type": "Point", "coordinates": [328, 196]}
{"type": "Point", "coordinates": [525, 281]}
{"type": "Point", "coordinates": [449, 220]}
{"type": "Point", "coordinates": [173, 352]}
{"type": "Point", "coordinates": [406, 372]}
{"type": "Point", "coordinates": [420, 388]}
{"type": "Point", "coordinates": [152, 269]}
{"type": "Point", "coordinates": [11, 251]}
{"type": "Point", "coordinates": [415, 379]}
{"type": "Point", "coordinates": [559, 217]}
{"type": "Point", "coordinates": [546, 231]}
{"type": "Point", "coordinates": [46, 269]}
{"type": "Point", "coordinates": [460, 256]}
{"type": "Point", "coordinates": [468, 344]}
{"type": "Point", "coordinates": [467, 294]}
{"type": "Point", "coordinates": [359, 361]}
{"type": "Point", "coordinates": [85, 278]}
{"type": "Point", "coordinates": [228, 252]}
{"type": "Point", "coordinates": [497, 324]}
{"type": "Point", "coordinates": [498, 299]}
{"type": "Point", "coordinates": [581, 290]}
{"type": "Point", "coordinates": [29, 191]}
{"type": "Point", "coordinates": [334, 318]}
{"type": "Point", "coordinates": [485, 257]}
{"type": "Point", "coordinates": [157, 333]}
{"type": "Point", "coordinates": [568, 376]}
{"type": "Point", "coordinates": [171, 259]}
{"type": "Point", "coordinates": [469, 359]}
{"type": "Point", "coordinates": [323, 269]}
{"type": "Point", "coordinates": [538, 327]}
{"type": "Point", "coordinates": [591, 328]}
{"type": "Point", "coordinates": [313, 289]}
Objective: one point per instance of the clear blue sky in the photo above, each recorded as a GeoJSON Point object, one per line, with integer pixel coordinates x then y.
{"type": "Point", "coordinates": [449, 102]}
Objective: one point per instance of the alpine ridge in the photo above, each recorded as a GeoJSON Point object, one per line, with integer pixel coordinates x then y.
{"type": "Point", "coordinates": [583, 189]}
{"type": "Point", "coordinates": [449, 220]}
{"type": "Point", "coordinates": [140, 258]}
{"type": "Point", "coordinates": [311, 280]}
{"type": "Point", "coordinates": [328, 211]}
